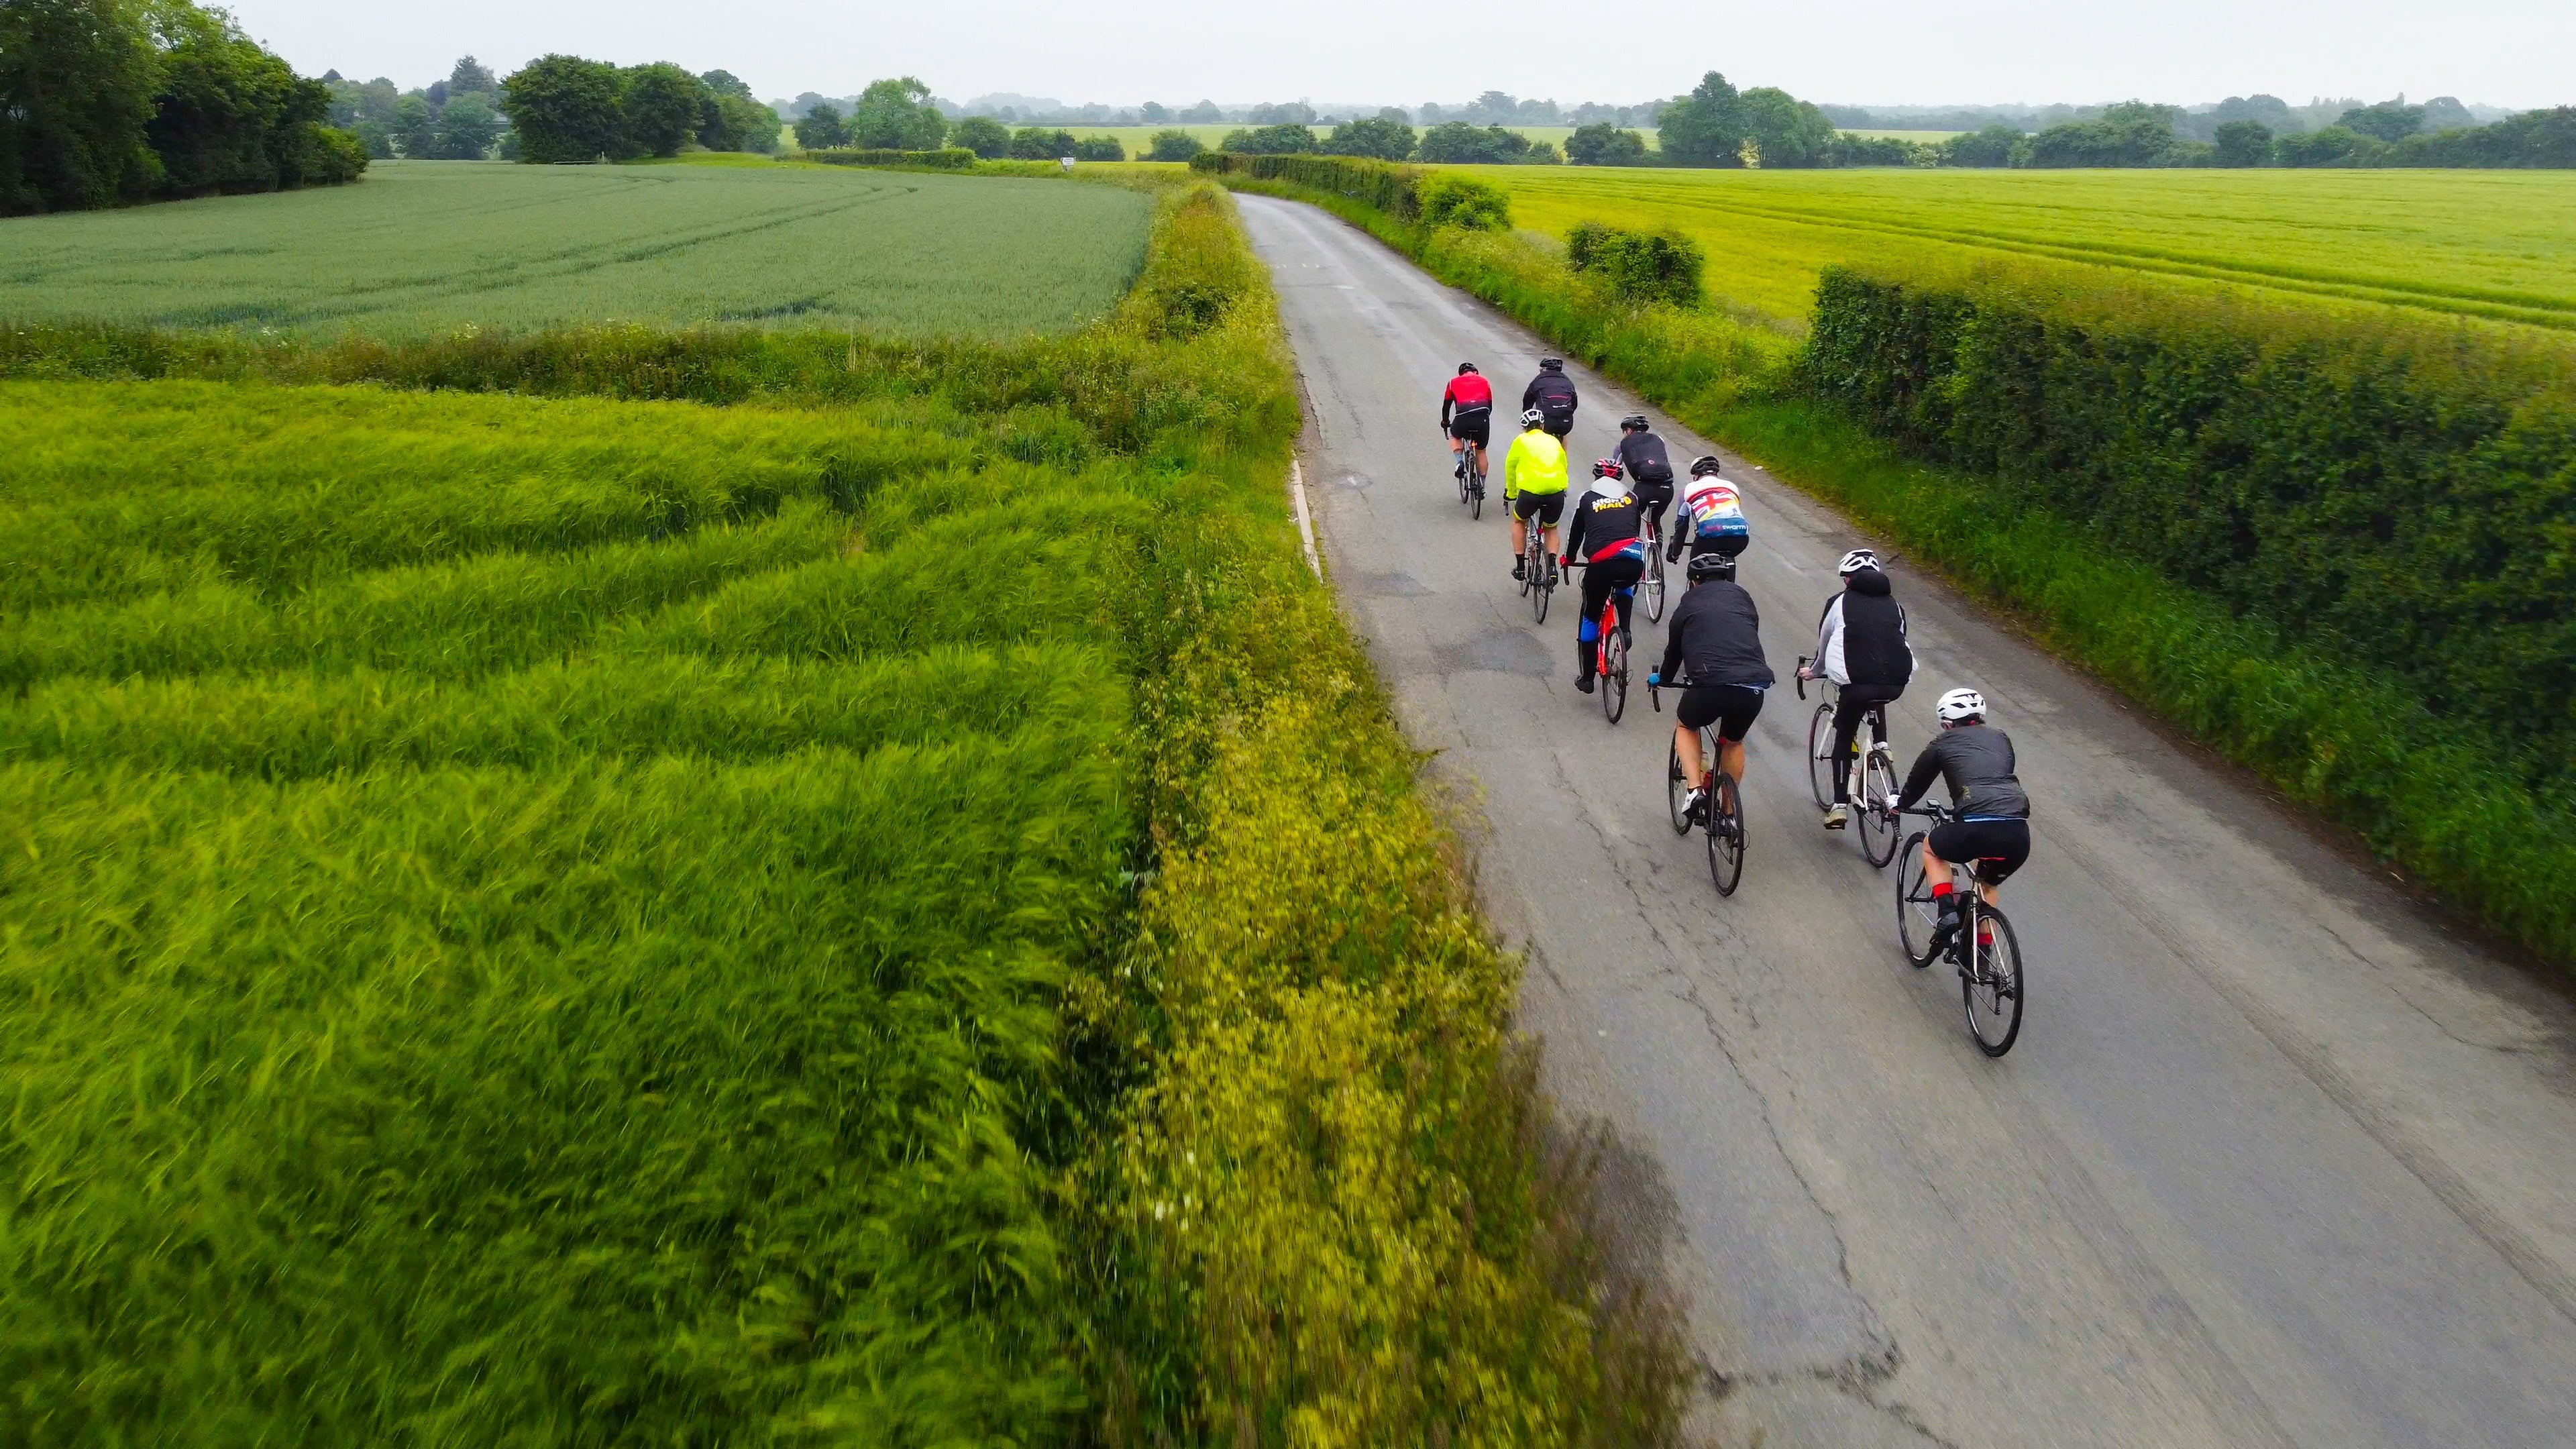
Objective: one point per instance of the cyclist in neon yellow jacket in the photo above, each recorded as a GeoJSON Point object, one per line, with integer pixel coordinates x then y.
{"type": "Point", "coordinates": [1534, 487]}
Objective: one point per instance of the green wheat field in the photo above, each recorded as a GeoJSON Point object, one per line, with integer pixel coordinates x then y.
{"type": "Point", "coordinates": [434, 246]}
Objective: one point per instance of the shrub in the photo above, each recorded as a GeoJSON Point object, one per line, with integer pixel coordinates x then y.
{"type": "Point", "coordinates": [1038, 143]}
{"type": "Point", "coordinates": [1457, 143]}
{"type": "Point", "coordinates": [1460, 202]}
{"type": "Point", "coordinates": [2123, 141]}
{"type": "Point", "coordinates": [820, 128]}
{"type": "Point", "coordinates": [661, 104]}
{"type": "Point", "coordinates": [989, 139]}
{"type": "Point", "coordinates": [2333, 146]}
{"type": "Point", "coordinates": [1850, 150]}
{"type": "Point", "coordinates": [1174, 146]}
{"type": "Point", "coordinates": [1993, 146]}
{"type": "Point", "coordinates": [567, 109]}
{"type": "Point", "coordinates": [1639, 267]}
{"type": "Point", "coordinates": [1286, 138]}
{"type": "Point", "coordinates": [1603, 144]}
{"type": "Point", "coordinates": [2242, 143]}
{"type": "Point", "coordinates": [954, 158]}
{"type": "Point", "coordinates": [1099, 148]}
{"type": "Point", "coordinates": [1387, 138]}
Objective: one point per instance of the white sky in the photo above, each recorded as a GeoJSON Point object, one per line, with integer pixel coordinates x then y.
{"type": "Point", "coordinates": [1122, 52]}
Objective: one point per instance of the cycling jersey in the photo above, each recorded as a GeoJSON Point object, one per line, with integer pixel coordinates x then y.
{"type": "Point", "coordinates": [1716, 519]}
{"type": "Point", "coordinates": [1536, 464]}
{"type": "Point", "coordinates": [1644, 458]}
{"type": "Point", "coordinates": [1976, 761]}
{"type": "Point", "coordinates": [1552, 393]}
{"type": "Point", "coordinates": [1861, 638]}
{"type": "Point", "coordinates": [1467, 393]}
{"type": "Point", "coordinates": [1605, 527]}
{"type": "Point", "coordinates": [1717, 631]}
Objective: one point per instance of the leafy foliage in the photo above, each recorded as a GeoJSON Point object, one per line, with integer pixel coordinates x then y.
{"type": "Point", "coordinates": [1383, 137]}
{"type": "Point", "coordinates": [1173, 145]}
{"type": "Point", "coordinates": [987, 138]}
{"type": "Point", "coordinates": [567, 109]}
{"type": "Point", "coordinates": [1704, 128]}
{"type": "Point", "coordinates": [1661, 266]}
{"type": "Point", "coordinates": [821, 126]}
{"type": "Point", "coordinates": [1283, 138]}
{"type": "Point", "coordinates": [896, 115]}
{"type": "Point", "coordinates": [1041, 143]}
{"type": "Point", "coordinates": [1603, 144]}
{"type": "Point", "coordinates": [1460, 144]}
{"type": "Point", "coordinates": [660, 105]}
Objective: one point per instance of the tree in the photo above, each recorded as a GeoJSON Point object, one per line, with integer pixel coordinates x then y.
{"type": "Point", "coordinates": [1205, 113]}
{"type": "Point", "coordinates": [1456, 143]}
{"type": "Point", "coordinates": [2242, 143]}
{"type": "Point", "coordinates": [567, 109]}
{"type": "Point", "coordinates": [1152, 113]}
{"type": "Point", "coordinates": [76, 83]}
{"type": "Point", "coordinates": [820, 127]}
{"type": "Point", "coordinates": [896, 115]}
{"type": "Point", "coordinates": [465, 130]}
{"type": "Point", "coordinates": [1037, 143]}
{"type": "Point", "coordinates": [469, 78]}
{"type": "Point", "coordinates": [1603, 144]}
{"type": "Point", "coordinates": [2129, 134]}
{"type": "Point", "coordinates": [1790, 131]}
{"type": "Point", "coordinates": [413, 128]}
{"type": "Point", "coordinates": [1993, 146]}
{"type": "Point", "coordinates": [1286, 113]}
{"type": "Point", "coordinates": [726, 83]}
{"type": "Point", "coordinates": [984, 136]}
{"type": "Point", "coordinates": [1099, 148]}
{"type": "Point", "coordinates": [661, 103]}
{"type": "Point", "coordinates": [1174, 146]}
{"type": "Point", "coordinates": [1284, 139]}
{"type": "Point", "coordinates": [2445, 113]}
{"type": "Point", "coordinates": [1704, 128]}
{"type": "Point", "coordinates": [1376, 136]}
{"type": "Point", "coordinates": [2390, 121]}
{"type": "Point", "coordinates": [732, 122]}
{"type": "Point", "coordinates": [2333, 146]}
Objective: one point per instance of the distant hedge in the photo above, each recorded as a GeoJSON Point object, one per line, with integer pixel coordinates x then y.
{"type": "Point", "coordinates": [953, 158]}
{"type": "Point", "coordinates": [1410, 194]}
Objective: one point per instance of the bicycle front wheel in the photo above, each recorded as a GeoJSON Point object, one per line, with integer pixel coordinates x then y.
{"type": "Point", "coordinates": [1992, 985]}
{"type": "Point", "coordinates": [1916, 912]}
{"type": "Point", "coordinates": [1725, 833]}
{"type": "Point", "coordinates": [1614, 674]}
{"type": "Point", "coordinates": [1820, 745]}
{"type": "Point", "coordinates": [1539, 591]}
{"type": "Point", "coordinates": [1676, 787]}
{"type": "Point", "coordinates": [1653, 592]}
{"type": "Point", "coordinates": [1876, 822]}
{"type": "Point", "coordinates": [1476, 495]}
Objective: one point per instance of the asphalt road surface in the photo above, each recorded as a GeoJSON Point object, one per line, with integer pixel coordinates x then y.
{"type": "Point", "coordinates": [2278, 1159]}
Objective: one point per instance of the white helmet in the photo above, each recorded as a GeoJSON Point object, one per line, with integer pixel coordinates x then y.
{"type": "Point", "coordinates": [1856, 560]}
{"type": "Point", "coordinates": [1960, 704]}
{"type": "Point", "coordinates": [1532, 418]}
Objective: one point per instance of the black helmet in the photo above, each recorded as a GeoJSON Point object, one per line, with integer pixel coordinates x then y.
{"type": "Point", "coordinates": [1466, 367]}
{"type": "Point", "coordinates": [1704, 565]}
{"type": "Point", "coordinates": [1634, 423]}
{"type": "Point", "coordinates": [1705, 466]}
{"type": "Point", "coordinates": [1551, 364]}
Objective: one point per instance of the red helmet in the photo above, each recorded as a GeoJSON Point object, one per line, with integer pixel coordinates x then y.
{"type": "Point", "coordinates": [1606, 468]}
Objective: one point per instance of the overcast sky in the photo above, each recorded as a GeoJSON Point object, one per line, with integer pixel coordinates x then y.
{"type": "Point", "coordinates": [1122, 52]}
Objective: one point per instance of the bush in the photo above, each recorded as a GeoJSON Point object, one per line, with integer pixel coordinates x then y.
{"type": "Point", "coordinates": [954, 158]}
{"type": "Point", "coordinates": [661, 104]}
{"type": "Point", "coordinates": [896, 115]}
{"type": "Point", "coordinates": [1463, 203]}
{"type": "Point", "coordinates": [2133, 141]}
{"type": "Point", "coordinates": [1037, 143]}
{"type": "Point", "coordinates": [2242, 143]}
{"type": "Point", "coordinates": [820, 128]}
{"type": "Point", "coordinates": [2333, 146]}
{"type": "Point", "coordinates": [1387, 138]}
{"type": "Point", "coordinates": [989, 139]}
{"type": "Point", "coordinates": [1174, 146]}
{"type": "Point", "coordinates": [2534, 139]}
{"type": "Point", "coordinates": [1099, 148]}
{"type": "Point", "coordinates": [1993, 146]}
{"type": "Point", "coordinates": [1638, 267]}
{"type": "Point", "coordinates": [1456, 143]}
{"type": "Point", "coordinates": [1850, 150]}
{"type": "Point", "coordinates": [567, 109]}
{"type": "Point", "coordinates": [1287, 138]}
{"type": "Point", "coordinates": [2369, 488]}
{"type": "Point", "coordinates": [1603, 144]}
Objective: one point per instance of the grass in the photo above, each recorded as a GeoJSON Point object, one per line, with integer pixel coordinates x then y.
{"type": "Point", "coordinates": [431, 247]}
{"type": "Point", "coordinates": [569, 919]}
{"type": "Point", "coordinates": [2493, 244]}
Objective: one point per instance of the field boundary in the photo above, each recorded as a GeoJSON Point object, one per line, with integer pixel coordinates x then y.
{"type": "Point", "coordinates": [2353, 744]}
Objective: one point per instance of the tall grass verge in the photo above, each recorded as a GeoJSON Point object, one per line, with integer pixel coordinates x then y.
{"type": "Point", "coordinates": [2474, 811]}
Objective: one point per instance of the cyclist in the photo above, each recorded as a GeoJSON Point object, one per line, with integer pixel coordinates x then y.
{"type": "Point", "coordinates": [1472, 422]}
{"type": "Point", "coordinates": [1712, 517]}
{"type": "Point", "coordinates": [1718, 632]}
{"type": "Point", "coordinates": [1990, 822]}
{"type": "Point", "coordinates": [1602, 535]}
{"type": "Point", "coordinates": [1534, 487]}
{"type": "Point", "coordinates": [1650, 470]}
{"type": "Point", "coordinates": [1860, 646]}
{"type": "Point", "coordinates": [1552, 393]}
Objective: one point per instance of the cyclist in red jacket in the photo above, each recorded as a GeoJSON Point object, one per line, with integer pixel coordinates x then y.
{"type": "Point", "coordinates": [1472, 421]}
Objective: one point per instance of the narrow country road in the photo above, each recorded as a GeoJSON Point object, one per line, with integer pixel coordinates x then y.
{"type": "Point", "coordinates": [2277, 1160]}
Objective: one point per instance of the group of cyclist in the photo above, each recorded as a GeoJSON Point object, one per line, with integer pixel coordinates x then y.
{"type": "Point", "coordinates": [1713, 641]}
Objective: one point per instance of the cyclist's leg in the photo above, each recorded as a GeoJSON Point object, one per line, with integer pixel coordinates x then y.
{"type": "Point", "coordinates": [1587, 625]}
{"type": "Point", "coordinates": [2003, 846]}
{"type": "Point", "coordinates": [1741, 707]}
{"type": "Point", "coordinates": [1694, 711]}
{"type": "Point", "coordinates": [1849, 706]}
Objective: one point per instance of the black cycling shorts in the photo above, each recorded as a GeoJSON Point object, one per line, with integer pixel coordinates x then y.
{"type": "Point", "coordinates": [1476, 427]}
{"type": "Point", "coordinates": [1997, 846]}
{"type": "Point", "coordinates": [1547, 508]}
{"type": "Point", "coordinates": [1652, 493]}
{"type": "Point", "coordinates": [1730, 707]}
{"type": "Point", "coordinates": [1557, 428]}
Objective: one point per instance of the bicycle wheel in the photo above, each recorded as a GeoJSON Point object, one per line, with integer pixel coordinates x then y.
{"type": "Point", "coordinates": [1529, 575]}
{"type": "Point", "coordinates": [1820, 744]}
{"type": "Point", "coordinates": [1676, 788]}
{"type": "Point", "coordinates": [1614, 672]}
{"type": "Point", "coordinates": [1476, 495]}
{"type": "Point", "coordinates": [1876, 822]}
{"type": "Point", "coordinates": [1725, 833]}
{"type": "Point", "coordinates": [1653, 592]}
{"type": "Point", "coordinates": [1539, 591]}
{"type": "Point", "coordinates": [1916, 914]}
{"type": "Point", "coordinates": [1992, 986]}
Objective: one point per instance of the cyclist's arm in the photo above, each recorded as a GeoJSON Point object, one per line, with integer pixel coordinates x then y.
{"type": "Point", "coordinates": [1514, 458]}
{"type": "Point", "coordinates": [1828, 624]}
{"type": "Point", "coordinates": [1448, 396]}
{"type": "Point", "coordinates": [1927, 768]}
{"type": "Point", "coordinates": [1672, 669]}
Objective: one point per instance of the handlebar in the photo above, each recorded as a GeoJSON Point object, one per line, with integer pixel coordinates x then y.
{"type": "Point", "coordinates": [1802, 676]}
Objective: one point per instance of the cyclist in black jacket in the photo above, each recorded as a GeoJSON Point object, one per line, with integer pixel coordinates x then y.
{"type": "Point", "coordinates": [1860, 646]}
{"type": "Point", "coordinates": [1552, 393]}
{"type": "Point", "coordinates": [1990, 824]}
{"type": "Point", "coordinates": [1603, 538]}
{"type": "Point", "coordinates": [1717, 631]}
{"type": "Point", "coordinates": [1649, 468]}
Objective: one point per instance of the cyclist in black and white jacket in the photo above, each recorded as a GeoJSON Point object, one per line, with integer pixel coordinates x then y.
{"type": "Point", "coordinates": [1860, 646]}
{"type": "Point", "coordinates": [1989, 823]}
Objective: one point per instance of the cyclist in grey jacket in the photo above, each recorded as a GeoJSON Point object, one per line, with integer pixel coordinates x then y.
{"type": "Point", "coordinates": [1990, 824]}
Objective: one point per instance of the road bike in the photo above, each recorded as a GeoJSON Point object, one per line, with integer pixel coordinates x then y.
{"type": "Point", "coordinates": [1471, 480]}
{"type": "Point", "coordinates": [1992, 981]}
{"type": "Point", "coordinates": [1535, 583]}
{"type": "Point", "coordinates": [1869, 778]}
{"type": "Point", "coordinates": [1610, 656]}
{"type": "Point", "coordinates": [1651, 587]}
{"type": "Point", "coordinates": [1723, 826]}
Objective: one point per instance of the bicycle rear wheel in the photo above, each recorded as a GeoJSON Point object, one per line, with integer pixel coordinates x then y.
{"type": "Point", "coordinates": [1653, 590]}
{"type": "Point", "coordinates": [1676, 788]}
{"type": "Point", "coordinates": [1820, 744]}
{"type": "Point", "coordinates": [1540, 590]}
{"type": "Point", "coordinates": [1614, 671]}
{"type": "Point", "coordinates": [1877, 823]}
{"type": "Point", "coordinates": [1916, 914]}
{"type": "Point", "coordinates": [1992, 985]}
{"type": "Point", "coordinates": [1725, 833]}
{"type": "Point", "coordinates": [1476, 493]}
